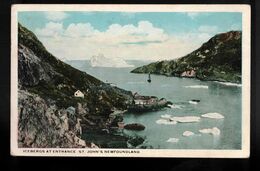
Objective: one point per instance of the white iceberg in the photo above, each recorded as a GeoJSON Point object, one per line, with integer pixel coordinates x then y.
{"type": "Point", "coordinates": [165, 122]}
{"type": "Point", "coordinates": [173, 140]}
{"type": "Point", "coordinates": [213, 115]}
{"type": "Point", "coordinates": [187, 133]}
{"type": "Point", "coordinates": [197, 86]}
{"type": "Point", "coordinates": [102, 61]}
{"type": "Point", "coordinates": [213, 131]}
{"type": "Point", "coordinates": [186, 119]}
{"type": "Point", "coordinates": [173, 106]}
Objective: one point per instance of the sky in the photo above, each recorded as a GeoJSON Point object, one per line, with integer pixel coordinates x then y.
{"type": "Point", "coordinates": [127, 35]}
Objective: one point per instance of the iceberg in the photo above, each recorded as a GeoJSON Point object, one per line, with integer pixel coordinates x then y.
{"type": "Point", "coordinates": [213, 131]}
{"type": "Point", "coordinates": [165, 122]}
{"type": "Point", "coordinates": [186, 119]}
{"type": "Point", "coordinates": [197, 86]}
{"type": "Point", "coordinates": [173, 140]}
{"type": "Point", "coordinates": [173, 106]}
{"type": "Point", "coordinates": [213, 115]}
{"type": "Point", "coordinates": [187, 133]}
{"type": "Point", "coordinates": [102, 61]}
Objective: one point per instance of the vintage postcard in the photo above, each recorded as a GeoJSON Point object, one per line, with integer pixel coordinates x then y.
{"type": "Point", "coordinates": [130, 80]}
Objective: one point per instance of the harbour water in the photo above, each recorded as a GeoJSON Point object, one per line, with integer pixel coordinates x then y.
{"type": "Point", "coordinates": [214, 97]}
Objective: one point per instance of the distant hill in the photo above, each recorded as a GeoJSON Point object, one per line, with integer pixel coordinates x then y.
{"type": "Point", "coordinates": [219, 59]}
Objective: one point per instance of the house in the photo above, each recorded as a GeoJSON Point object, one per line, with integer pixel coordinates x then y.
{"type": "Point", "coordinates": [78, 93]}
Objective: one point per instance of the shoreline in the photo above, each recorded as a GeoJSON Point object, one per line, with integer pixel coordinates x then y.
{"type": "Point", "coordinates": [227, 83]}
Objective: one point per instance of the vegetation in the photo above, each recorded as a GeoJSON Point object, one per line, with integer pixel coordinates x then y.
{"type": "Point", "coordinates": [64, 79]}
{"type": "Point", "coordinates": [218, 59]}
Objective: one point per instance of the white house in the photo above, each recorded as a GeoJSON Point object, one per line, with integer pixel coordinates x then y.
{"type": "Point", "coordinates": [78, 94]}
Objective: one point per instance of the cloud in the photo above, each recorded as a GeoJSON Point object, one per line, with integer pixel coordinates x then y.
{"type": "Point", "coordinates": [55, 15]}
{"type": "Point", "coordinates": [141, 41]}
{"type": "Point", "coordinates": [51, 29]}
{"type": "Point", "coordinates": [80, 29]}
{"type": "Point", "coordinates": [236, 26]}
{"type": "Point", "coordinates": [208, 29]}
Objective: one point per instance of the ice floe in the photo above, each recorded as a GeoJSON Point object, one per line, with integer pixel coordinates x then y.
{"type": "Point", "coordinates": [166, 116]}
{"type": "Point", "coordinates": [187, 133]}
{"type": "Point", "coordinates": [174, 106]}
{"type": "Point", "coordinates": [165, 122]}
{"type": "Point", "coordinates": [197, 86]}
{"type": "Point", "coordinates": [213, 131]}
{"type": "Point", "coordinates": [182, 119]}
{"type": "Point", "coordinates": [213, 115]}
{"type": "Point", "coordinates": [173, 140]}
{"type": "Point", "coordinates": [229, 84]}
{"type": "Point", "coordinates": [186, 119]}
{"type": "Point", "coordinates": [192, 102]}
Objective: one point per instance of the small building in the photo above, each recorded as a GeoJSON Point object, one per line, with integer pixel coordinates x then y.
{"type": "Point", "coordinates": [78, 93]}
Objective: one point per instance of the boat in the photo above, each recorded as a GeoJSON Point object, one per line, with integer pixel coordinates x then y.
{"type": "Point", "coordinates": [149, 78]}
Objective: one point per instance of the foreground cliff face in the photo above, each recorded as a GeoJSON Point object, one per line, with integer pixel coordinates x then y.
{"type": "Point", "coordinates": [42, 125]}
{"type": "Point", "coordinates": [49, 114]}
{"type": "Point", "coordinates": [219, 59]}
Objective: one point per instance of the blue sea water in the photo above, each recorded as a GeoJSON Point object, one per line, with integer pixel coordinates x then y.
{"type": "Point", "coordinates": [213, 96]}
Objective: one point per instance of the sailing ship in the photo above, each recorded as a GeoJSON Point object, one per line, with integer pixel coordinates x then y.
{"type": "Point", "coordinates": [149, 78]}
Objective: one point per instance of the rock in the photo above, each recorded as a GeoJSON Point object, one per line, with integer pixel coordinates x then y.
{"type": "Point", "coordinates": [195, 100]}
{"type": "Point", "coordinates": [135, 126]}
{"type": "Point", "coordinates": [44, 125]}
{"type": "Point", "coordinates": [147, 104]}
{"type": "Point", "coordinates": [80, 110]}
{"type": "Point", "coordinates": [79, 141]}
{"type": "Point", "coordinates": [71, 111]}
{"type": "Point", "coordinates": [92, 145]}
{"type": "Point", "coordinates": [135, 141]}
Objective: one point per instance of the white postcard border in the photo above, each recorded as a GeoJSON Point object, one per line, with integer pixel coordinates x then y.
{"type": "Point", "coordinates": [84, 152]}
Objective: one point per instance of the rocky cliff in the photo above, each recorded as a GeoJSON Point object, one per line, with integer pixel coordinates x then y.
{"type": "Point", "coordinates": [218, 59]}
{"type": "Point", "coordinates": [49, 114]}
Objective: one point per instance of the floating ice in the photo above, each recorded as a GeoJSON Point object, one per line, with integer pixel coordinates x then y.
{"type": "Point", "coordinates": [197, 86]}
{"type": "Point", "coordinates": [213, 131]}
{"type": "Point", "coordinates": [193, 102]}
{"type": "Point", "coordinates": [166, 116]}
{"type": "Point", "coordinates": [173, 140]}
{"type": "Point", "coordinates": [173, 106]}
{"type": "Point", "coordinates": [213, 115]}
{"type": "Point", "coordinates": [187, 133]}
{"type": "Point", "coordinates": [186, 119]}
{"type": "Point", "coordinates": [102, 61]}
{"type": "Point", "coordinates": [229, 84]}
{"type": "Point", "coordinates": [165, 122]}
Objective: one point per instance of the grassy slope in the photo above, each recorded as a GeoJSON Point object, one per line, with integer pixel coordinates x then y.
{"type": "Point", "coordinates": [73, 79]}
{"type": "Point", "coordinates": [221, 60]}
